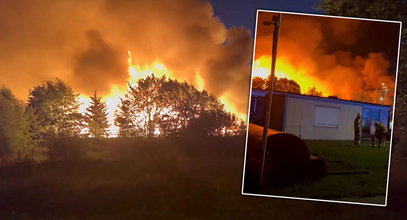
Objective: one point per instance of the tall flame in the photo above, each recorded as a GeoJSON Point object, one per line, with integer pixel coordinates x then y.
{"type": "Point", "coordinates": [137, 72]}
{"type": "Point", "coordinates": [228, 102]}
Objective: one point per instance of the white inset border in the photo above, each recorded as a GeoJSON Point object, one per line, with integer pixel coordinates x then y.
{"type": "Point", "coordinates": [249, 104]}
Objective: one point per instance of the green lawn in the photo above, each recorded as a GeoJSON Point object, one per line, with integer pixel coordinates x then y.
{"type": "Point", "coordinates": [342, 156]}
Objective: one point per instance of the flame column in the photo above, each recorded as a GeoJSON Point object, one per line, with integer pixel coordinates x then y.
{"type": "Point", "coordinates": [276, 22]}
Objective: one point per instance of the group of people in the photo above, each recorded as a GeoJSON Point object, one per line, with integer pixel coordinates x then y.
{"type": "Point", "coordinates": [377, 131]}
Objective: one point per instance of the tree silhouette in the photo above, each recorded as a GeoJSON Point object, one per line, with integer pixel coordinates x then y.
{"type": "Point", "coordinates": [284, 85]}
{"type": "Point", "coordinates": [123, 120]}
{"type": "Point", "coordinates": [15, 138]}
{"type": "Point", "coordinates": [164, 107]}
{"type": "Point", "coordinates": [140, 109]}
{"type": "Point", "coordinates": [182, 105]}
{"type": "Point", "coordinates": [56, 107]}
{"type": "Point", "coordinates": [186, 103]}
{"type": "Point", "coordinates": [215, 122]}
{"type": "Point", "coordinates": [314, 92]}
{"type": "Point", "coordinates": [147, 104]}
{"type": "Point", "coordinates": [281, 84]}
{"type": "Point", "coordinates": [96, 117]}
{"type": "Point", "coordinates": [258, 83]}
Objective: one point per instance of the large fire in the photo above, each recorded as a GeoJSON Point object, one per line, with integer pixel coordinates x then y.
{"type": "Point", "coordinates": [330, 57]}
{"type": "Point", "coordinates": [284, 69]}
{"type": "Point", "coordinates": [379, 91]}
{"type": "Point", "coordinates": [137, 72]}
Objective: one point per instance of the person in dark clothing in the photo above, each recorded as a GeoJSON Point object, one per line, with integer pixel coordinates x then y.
{"type": "Point", "coordinates": [356, 127]}
{"type": "Point", "coordinates": [373, 133]}
{"type": "Point", "coordinates": [381, 133]}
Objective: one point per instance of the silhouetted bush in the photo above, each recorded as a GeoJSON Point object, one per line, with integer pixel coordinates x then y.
{"type": "Point", "coordinates": [61, 148]}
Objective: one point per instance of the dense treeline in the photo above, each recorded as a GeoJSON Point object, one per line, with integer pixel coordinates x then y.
{"type": "Point", "coordinates": [16, 137]}
{"type": "Point", "coordinates": [283, 85]}
{"type": "Point", "coordinates": [50, 121]}
{"type": "Point", "coordinates": [165, 107]}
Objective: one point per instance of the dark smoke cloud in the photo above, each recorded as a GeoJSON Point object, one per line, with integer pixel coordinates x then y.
{"type": "Point", "coordinates": [99, 65]}
{"type": "Point", "coordinates": [45, 39]}
{"type": "Point", "coordinates": [226, 64]}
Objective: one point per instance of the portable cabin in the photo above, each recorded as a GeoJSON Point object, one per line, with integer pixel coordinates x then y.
{"type": "Point", "coordinates": [317, 118]}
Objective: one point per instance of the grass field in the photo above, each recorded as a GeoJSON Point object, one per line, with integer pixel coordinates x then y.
{"type": "Point", "coordinates": [344, 156]}
{"type": "Point", "coordinates": [129, 179]}
{"type": "Point", "coordinates": [199, 178]}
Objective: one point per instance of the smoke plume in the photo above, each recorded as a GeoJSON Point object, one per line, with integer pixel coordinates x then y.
{"type": "Point", "coordinates": [344, 55]}
{"type": "Point", "coordinates": [85, 43]}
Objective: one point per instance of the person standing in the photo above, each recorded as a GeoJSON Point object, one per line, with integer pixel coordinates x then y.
{"type": "Point", "coordinates": [356, 127]}
{"type": "Point", "coordinates": [381, 133]}
{"type": "Point", "coordinates": [373, 133]}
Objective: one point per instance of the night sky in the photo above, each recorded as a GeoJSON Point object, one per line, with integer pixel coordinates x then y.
{"type": "Point", "coordinates": [243, 12]}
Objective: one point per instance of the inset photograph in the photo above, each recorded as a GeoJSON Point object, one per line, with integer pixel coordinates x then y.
{"type": "Point", "coordinates": [325, 88]}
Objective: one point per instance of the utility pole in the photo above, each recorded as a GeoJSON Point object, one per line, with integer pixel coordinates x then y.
{"type": "Point", "coordinates": [276, 22]}
{"type": "Point", "coordinates": [385, 93]}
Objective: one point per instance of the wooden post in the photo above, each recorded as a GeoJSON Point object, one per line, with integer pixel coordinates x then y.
{"type": "Point", "coordinates": [276, 21]}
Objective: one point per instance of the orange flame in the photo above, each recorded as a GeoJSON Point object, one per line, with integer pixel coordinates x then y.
{"type": "Point", "coordinates": [284, 69]}
{"type": "Point", "coordinates": [228, 102]}
{"type": "Point", "coordinates": [137, 72]}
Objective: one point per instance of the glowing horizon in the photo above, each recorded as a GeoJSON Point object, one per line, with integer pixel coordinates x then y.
{"type": "Point", "coordinates": [135, 73]}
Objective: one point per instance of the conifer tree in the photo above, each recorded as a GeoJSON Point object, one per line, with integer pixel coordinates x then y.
{"type": "Point", "coordinates": [123, 120]}
{"type": "Point", "coordinates": [96, 117]}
